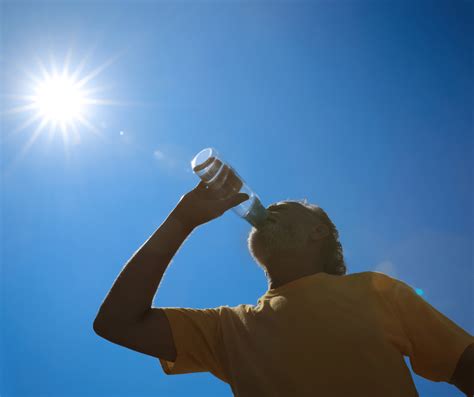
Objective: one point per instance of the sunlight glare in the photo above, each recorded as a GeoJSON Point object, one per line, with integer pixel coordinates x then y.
{"type": "Point", "coordinates": [59, 99]}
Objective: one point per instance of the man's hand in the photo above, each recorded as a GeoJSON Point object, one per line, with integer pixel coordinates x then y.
{"type": "Point", "coordinates": [203, 204]}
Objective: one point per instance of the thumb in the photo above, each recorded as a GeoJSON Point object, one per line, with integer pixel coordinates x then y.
{"type": "Point", "coordinates": [237, 199]}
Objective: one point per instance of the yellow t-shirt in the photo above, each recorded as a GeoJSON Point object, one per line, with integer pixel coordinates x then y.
{"type": "Point", "coordinates": [320, 335]}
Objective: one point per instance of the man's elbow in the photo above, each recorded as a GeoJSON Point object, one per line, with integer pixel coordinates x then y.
{"type": "Point", "coordinates": [104, 323]}
{"type": "Point", "coordinates": [108, 328]}
{"type": "Point", "coordinates": [99, 327]}
{"type": "Point", "coordinates": [103, 327]}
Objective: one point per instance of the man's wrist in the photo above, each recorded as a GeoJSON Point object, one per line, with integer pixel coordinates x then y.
{"type": "Point", "coordinates": [178, 216]}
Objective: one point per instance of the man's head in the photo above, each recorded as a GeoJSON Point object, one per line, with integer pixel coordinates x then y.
{"type": "Point", "coordinates": [297, 235]}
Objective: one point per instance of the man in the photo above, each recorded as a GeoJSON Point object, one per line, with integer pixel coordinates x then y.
{"type": "Point", "coordinates": [315, 332]}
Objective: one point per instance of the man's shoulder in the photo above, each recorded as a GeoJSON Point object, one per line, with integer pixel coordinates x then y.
{"type": "Point", "coordinates": [371, 275]}
{"type": "Point", "coordinates": [378, 280]}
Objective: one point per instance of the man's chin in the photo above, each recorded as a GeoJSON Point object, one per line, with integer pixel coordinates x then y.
{"type": "Point", "coordinates": [263, 253]}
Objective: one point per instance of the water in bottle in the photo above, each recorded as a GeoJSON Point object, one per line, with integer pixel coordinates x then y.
{"type": "Point", "coordinates": [225, 181]}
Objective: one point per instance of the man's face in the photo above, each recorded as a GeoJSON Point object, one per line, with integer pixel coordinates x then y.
{"type": "Point", "coordinates": [284, 232]}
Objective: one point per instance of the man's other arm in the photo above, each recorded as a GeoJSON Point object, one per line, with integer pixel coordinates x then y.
{"type": "Point", "coordinates": [126, 316]}
{"type": "Point", "coordinates": [130, 298]}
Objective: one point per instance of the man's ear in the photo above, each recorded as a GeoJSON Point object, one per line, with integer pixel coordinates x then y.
{"type": "Point", "coordinates": [319, 231]}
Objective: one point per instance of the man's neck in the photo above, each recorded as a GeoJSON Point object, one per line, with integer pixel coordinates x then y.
{"type": "Point", "coordinates": [276, 282]}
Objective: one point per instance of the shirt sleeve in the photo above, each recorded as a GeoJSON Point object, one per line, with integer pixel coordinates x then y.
{"type": "Point", "coordinates": [435, 343]}
{"type": "Point", "coordinates": [197, 338]}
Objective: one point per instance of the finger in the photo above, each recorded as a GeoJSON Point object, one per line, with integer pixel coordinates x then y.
{"type": "Point", "coordinates": [201, 185]}
{"type": "Point", "coordinates": [218, 183]}
{"type": "Point", "coordinates": [231, 185]}
{"type": "Point", "coordinates": [236, 199]}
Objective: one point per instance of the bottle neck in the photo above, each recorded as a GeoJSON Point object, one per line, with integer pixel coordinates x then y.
{"type": "Point", "coordinates": [257, 214]}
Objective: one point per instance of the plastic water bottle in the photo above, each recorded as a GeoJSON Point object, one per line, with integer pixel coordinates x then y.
{"type": "Point", "coordinates": [221, 177]}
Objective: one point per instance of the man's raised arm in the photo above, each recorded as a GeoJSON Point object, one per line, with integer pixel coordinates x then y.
{"type": "Point", "coordinates": [130, 298]}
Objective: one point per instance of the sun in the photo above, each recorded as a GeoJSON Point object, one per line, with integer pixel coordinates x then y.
{"type": "Point", "coordinates": [60, 99]}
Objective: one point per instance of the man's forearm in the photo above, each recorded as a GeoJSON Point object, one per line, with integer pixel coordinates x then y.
{"type": "Point", "coordinates": [132, 293]}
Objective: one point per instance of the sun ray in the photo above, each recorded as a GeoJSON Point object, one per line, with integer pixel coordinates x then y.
{"type": "Point", "coordinates": [76, 134]}
{"type": "Point", "coordinates": [26, 147]}
{"type": "Point", "coordinates": [50, 135]}
{"type": "Point", "coordinates": [43, 70]}
{"type": "Point", "coordinates": [90, 126]}
{"type": "Point", "coordinates": [97, 70]}
{"type": "Point", "coordinates": [67, 62]}
{"type": "Point", "coordinates": [20, 109]}
{"type": "Point", "coordinates": [27, 123]}
{"type": "Point", "coordinates": [23, 98]}
{"type": "Point", "coordinates": [94, 90]}
{"type": "Point", "coordinates": [105, 102]}
{"type": "Point", "coordinates": [38, 130]}
{"type": "Point", "coordinates": [75, 75]}
{"type": "Point", "coordinates": [34, 79]}
{"type": "Point", "coordinates": [52, 64]}
{"type": "Point", "coordinates": [65, 136]}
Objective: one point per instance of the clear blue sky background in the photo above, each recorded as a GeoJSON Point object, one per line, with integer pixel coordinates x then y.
{"type": "Point", "coordinates": [364, 108]}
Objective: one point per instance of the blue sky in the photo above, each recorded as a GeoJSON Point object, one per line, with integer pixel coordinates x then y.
{"type": "Point", "coordinates": [364, 108]}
